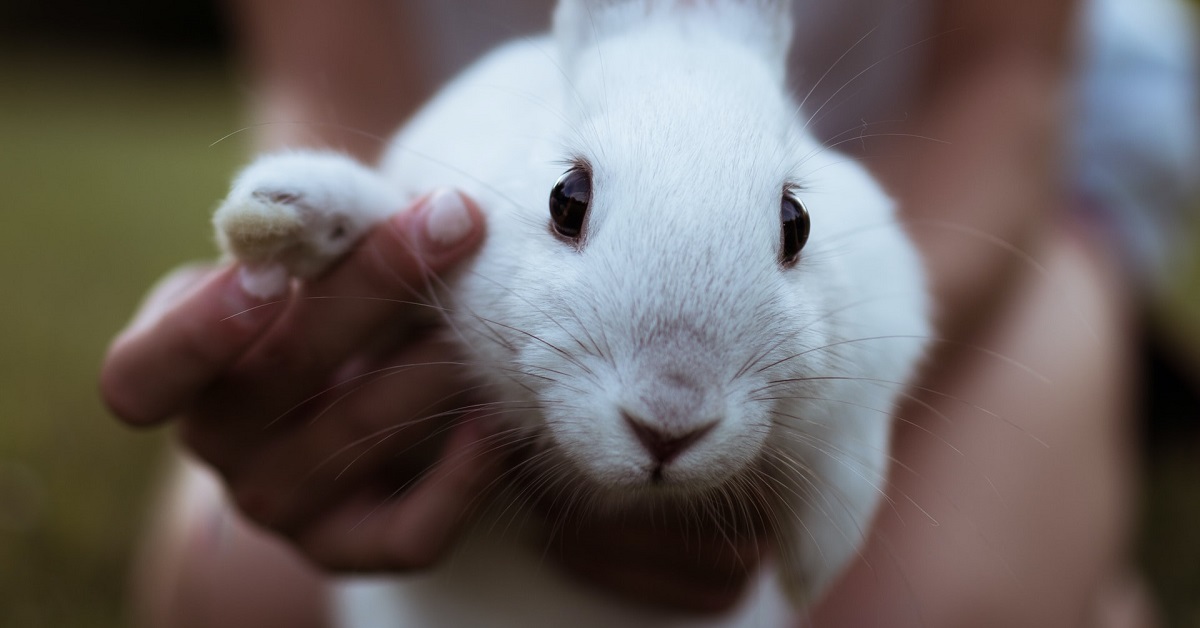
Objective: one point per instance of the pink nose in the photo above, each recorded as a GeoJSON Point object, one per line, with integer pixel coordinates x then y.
{"type": "Point", "coordinates": [665, 446]}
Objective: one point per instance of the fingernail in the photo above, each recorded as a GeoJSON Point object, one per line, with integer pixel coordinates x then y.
{"type": "Point", "coordinates": [264, 282]}
{"type": "Point", "coordinates": [447, 220]}
{"type": "Point", "coordinates": [245, 301]}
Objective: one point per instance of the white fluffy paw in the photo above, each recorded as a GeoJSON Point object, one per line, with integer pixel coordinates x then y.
{"type": "Point", "coordinates": [294, 214]}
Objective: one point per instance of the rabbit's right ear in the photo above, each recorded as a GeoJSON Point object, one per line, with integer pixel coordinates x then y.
{"type": "Point", "coordinates": [765, 25]}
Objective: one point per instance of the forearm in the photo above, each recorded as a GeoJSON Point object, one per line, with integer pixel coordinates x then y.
{"type": "Point", "coordinates": [978, 201]}
{"type": "Point", "coordinates": [982, 527]}
{"type": "Point", "coordinates": [342, 74]}
{"type": "Point", "coordinates": [983, 186]}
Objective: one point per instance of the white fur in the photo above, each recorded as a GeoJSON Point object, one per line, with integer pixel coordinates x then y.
{"type": "Point", "coordinates": [684, 119]}
{"type": "Point", "coordinates": [296, 213]}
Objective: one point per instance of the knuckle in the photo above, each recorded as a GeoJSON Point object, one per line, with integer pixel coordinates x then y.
{"type": "Point", "coordinates": [322, 558]}
{"type": "Point", "coordinates": [357, 418]}
{"type": "Point", "coordinates": [281, 354]}
{"type": "Point", "coordinates": [200, 442]}
{"type": "Point", "coordinates": [205, 343]}
{"type": "Point", "coordinates": [212, 339]}
{"type": "Point", "coordinates": [414, 555]}
{"type": "Point", "coordinates": [327, 554]}
{"type": "Point", "coordinates": [410, 558]}
{"type": "Point", "coordinates": [325, 558]}
{"type": "Point", "coordinates": [121, 388]}
{"type": "Point", "coordinates": [257, 505]}
{"type": "Point", "coordinates": [123, 400]}
{"type": "Point", "coordinates": [378, 407]}
{"type": "Point", "coordinates": [193, 438]}
{"type": "Point", "coordinates": [209, 445]}
{"type": "Point", "coordinates": [718, 600]}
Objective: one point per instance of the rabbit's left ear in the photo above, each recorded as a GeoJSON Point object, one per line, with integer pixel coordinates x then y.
{"type": "Point", "coordinates": [765, 25]}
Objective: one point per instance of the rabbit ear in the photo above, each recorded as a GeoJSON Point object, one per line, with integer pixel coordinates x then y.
{"type": "Point", "coordinates": [765, 25]}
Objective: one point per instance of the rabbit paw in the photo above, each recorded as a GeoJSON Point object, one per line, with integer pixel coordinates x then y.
{"type": "Point", "coordinates": [295, 214]}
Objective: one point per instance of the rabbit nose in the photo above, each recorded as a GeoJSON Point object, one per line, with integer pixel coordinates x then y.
{"type": "Point", "coordinates": [665, 446]}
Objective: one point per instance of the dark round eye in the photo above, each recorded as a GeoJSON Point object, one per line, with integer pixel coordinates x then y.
{"type": "Point", "coordinates": [795, 228]}
{"type": "Point", "coordinates": [569, 203]}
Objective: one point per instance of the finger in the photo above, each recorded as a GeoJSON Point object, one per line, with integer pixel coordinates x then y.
{"type": "Point", "coordinates": [665, 588]}
{"type": "Point", "coordinates": [181, 341]}
{"type": "Point", "coordinates": [716, 536]}
{"type": "Point", "coordinates": [363, 429]}
{"type": "Point", "coordinates": [168, 291]}
{"type": "Point", "coordinates": [695, 556]}
{"type": "Point", "coordinates": [648, 557]}
{"type": "Point", "coordinates": [378, 288]}
{"type": "Point", "coordinates": [413, 530]}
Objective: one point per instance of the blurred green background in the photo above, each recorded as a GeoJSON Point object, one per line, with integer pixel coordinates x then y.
{"type": "Point", "coordinates": [107, 180]}
{"type": "Point", "coordinates": [108, 174]}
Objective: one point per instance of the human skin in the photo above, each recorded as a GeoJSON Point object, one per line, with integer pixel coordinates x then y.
{"type": "Point", "coordinates": [999, 498]}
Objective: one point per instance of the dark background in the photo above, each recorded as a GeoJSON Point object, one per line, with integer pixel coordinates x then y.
{"type": "Point", "coordinates": [194, 26]}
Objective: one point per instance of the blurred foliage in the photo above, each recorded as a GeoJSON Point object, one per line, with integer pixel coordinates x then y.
{"type": "Point", "coordinates": [107, 181]}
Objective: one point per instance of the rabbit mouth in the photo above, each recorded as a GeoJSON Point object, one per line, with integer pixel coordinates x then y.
{"type": "Point", "coordinates": [748, 493]}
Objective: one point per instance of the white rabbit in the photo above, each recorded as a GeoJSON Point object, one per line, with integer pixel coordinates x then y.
{"type": "Point", "coordinates": [676, 332]}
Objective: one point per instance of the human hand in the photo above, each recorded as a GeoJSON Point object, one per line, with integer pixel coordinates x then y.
{"type": "Point", "coordinates": [664, 557]}
{"type": "Point", "coordinates": [254, 386]}
{"type": "Point", "coordinates": [306, 406]}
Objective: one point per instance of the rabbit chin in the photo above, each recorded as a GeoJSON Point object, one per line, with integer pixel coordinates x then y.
{"type": "Point", "coordinates": [613, 459]}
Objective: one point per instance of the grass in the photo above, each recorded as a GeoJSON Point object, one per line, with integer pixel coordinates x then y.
{"type": "Point", "coordinates": [107, 180]}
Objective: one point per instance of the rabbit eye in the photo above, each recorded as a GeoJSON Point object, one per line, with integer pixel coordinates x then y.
{"type": "Point", "coordinates": [569, 203]}
{"type": "Point", "coordinates": [795, 228]}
